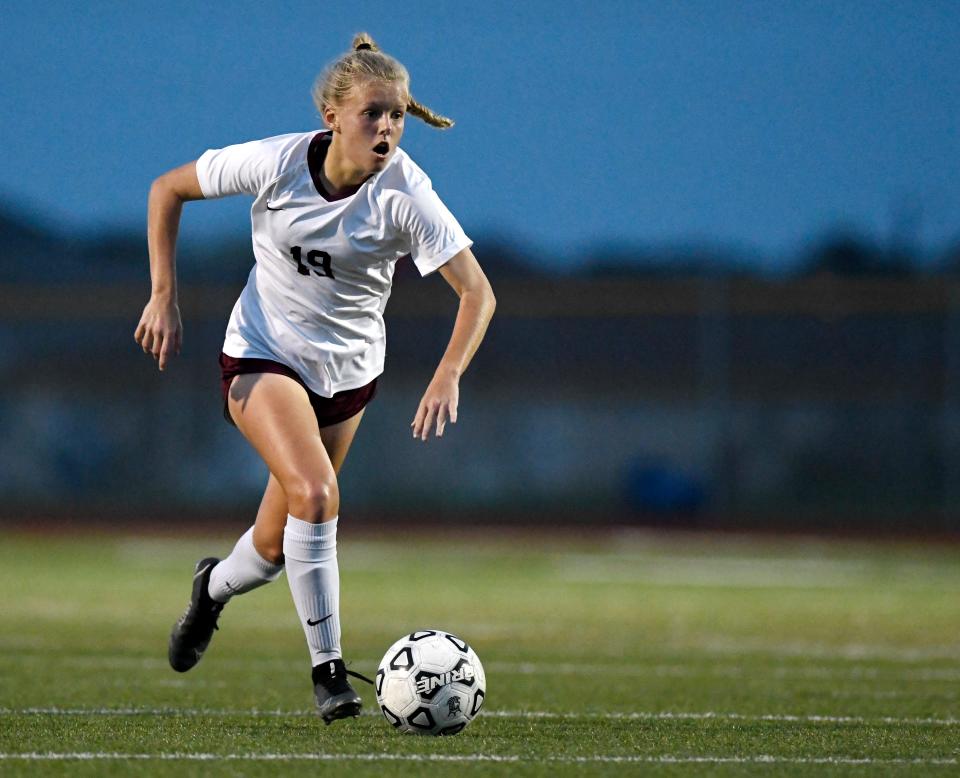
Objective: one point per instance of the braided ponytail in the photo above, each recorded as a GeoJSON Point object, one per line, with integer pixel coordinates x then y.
{"type": "Point", "coordinates": [425, 114]}
{"type": "Point", "coordinates": [365, 62]}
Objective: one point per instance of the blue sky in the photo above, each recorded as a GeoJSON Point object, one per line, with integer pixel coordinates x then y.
{"type": "Point", "coordinates": [755, 125]}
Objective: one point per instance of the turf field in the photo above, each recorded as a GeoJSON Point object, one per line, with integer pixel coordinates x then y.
{"type": "Point", "coordinates": [612, 654]}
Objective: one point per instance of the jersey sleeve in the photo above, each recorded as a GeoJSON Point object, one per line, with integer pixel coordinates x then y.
{"type": "Point", "coordinates": [435, 235]}
{"type": "Point", "coordinates": [244, 168]}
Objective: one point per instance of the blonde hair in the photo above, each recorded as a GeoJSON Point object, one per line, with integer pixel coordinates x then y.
{"type": "Point", "coordinates": [365, 62]}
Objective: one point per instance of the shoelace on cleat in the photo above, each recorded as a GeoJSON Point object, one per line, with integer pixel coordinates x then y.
{"type": "Point", "coordinates": [361, 677]}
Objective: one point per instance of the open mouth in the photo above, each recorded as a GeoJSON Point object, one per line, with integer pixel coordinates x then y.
{"type": "Point", "coordinates": [382, 148]}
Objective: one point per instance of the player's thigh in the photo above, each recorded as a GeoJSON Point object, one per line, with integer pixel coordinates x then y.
{"type": "Point", "coordinates": [272, 515]}
{"type": "Point", "coordinates": [338, 437]}
{"type": "Point", "coordinates": [274, 414]}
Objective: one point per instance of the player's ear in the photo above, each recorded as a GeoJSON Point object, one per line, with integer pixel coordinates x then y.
{"type": "Point", "coordinates": [330, 117]}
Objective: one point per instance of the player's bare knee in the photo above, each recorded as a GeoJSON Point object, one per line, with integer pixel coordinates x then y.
{"type": "Point", "coordinates": [268, 543]}
{"type": "Point", "coordinates": [272, 552]}
{"type": "Point", "coordinates": [314, 500]}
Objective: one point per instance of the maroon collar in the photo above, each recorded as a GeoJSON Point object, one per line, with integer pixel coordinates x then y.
{"type": "Point", "coordinates": [316, 154]}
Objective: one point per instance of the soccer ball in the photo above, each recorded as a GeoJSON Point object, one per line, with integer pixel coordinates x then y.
{"type": "Point", "coordinates": [430, 683]}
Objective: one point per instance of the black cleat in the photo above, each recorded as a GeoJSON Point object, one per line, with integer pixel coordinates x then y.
{"type": "Point", "coordinates": [336, 698]}
{"type": "Point", "coordinates": [191, 634]}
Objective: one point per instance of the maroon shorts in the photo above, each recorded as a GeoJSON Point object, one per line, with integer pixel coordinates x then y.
{"type": "Point", "coordinates": [329, 410]}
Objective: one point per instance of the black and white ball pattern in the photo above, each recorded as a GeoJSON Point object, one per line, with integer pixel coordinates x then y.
{"type": "Point", "coordinates": [430, 682]}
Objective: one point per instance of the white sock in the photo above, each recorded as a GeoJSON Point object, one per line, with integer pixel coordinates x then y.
{"type": "Point", "coordinates": [314, 576]}
{"type": "Point", "coordinates": [242, 571]}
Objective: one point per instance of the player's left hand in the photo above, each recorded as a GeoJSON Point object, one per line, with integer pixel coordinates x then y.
{"type": "Point", "coordinates": [438, 406]}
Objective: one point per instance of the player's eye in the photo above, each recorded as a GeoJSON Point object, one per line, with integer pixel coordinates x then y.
{"type": "Point", "coordinates": [398, 115]}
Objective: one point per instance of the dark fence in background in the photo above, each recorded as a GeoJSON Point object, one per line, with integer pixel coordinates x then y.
{"type": "Point", "coordinates": [813, 403]}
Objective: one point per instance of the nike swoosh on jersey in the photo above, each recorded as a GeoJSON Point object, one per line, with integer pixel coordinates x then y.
{"type": "Point", "coordinates": [273, 209]}
{"type": "Point", "coordinates": [312, 623]}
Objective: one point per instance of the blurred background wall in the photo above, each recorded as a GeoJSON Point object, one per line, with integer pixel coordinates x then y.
{"type": "Point", "coordinates": [825, 400]}
{"type": "Point", "coordinates": [724, 239]}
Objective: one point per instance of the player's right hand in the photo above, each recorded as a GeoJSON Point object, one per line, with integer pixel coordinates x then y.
{"type": "Point", "coordinates": [160, 330]}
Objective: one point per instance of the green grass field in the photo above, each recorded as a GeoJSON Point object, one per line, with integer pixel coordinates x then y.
{"type": "Point", "coordinates": [621, 654]}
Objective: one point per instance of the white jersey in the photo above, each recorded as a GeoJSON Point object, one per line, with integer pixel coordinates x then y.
{"type": "Point", "coordinates": [315, 297]}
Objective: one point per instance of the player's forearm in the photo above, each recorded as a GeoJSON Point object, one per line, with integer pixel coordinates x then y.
{"type": "Point", "coordinates": [476, 309]}
{"type": "Point", "coordinates": [163, 223]}
{"type": "Point", "coordinates": [167, 196]}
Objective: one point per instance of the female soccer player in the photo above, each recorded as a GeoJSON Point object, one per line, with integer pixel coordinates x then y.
{"type": "Point", "coordinates": [333, 212]}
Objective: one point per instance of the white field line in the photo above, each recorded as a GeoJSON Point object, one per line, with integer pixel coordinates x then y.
{"type": "Point", "coordinates": [703, 646]}
{"type": "Point", "coordinates": [712, 579]}
{"type": "Point", "coordinates": [509, 714]}
{"type": "Point", "coordinates": [723, 671]}
{"type": "Point", "coordinates": [455, 758]}
{"type": "Point", "coordinates": [809, 650]}
{"type": "Point", "coordinates": [748, 572]}
{"type": "Point", "coordinates": [630, 669]}
{"type": "Point", "coordinates": [860, 694]}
